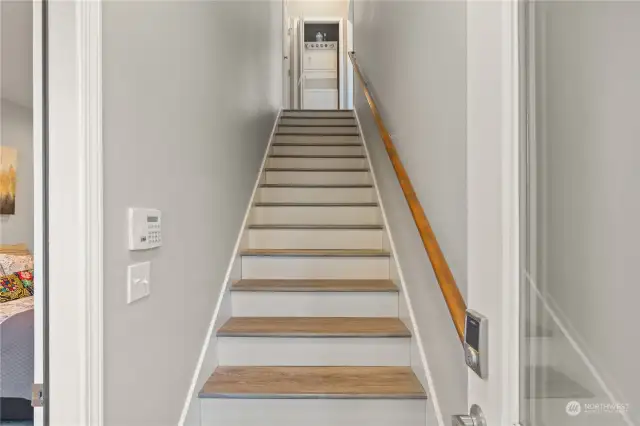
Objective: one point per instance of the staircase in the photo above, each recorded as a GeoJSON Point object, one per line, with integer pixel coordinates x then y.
{"type": "Point", "coordinates": [314, 338]}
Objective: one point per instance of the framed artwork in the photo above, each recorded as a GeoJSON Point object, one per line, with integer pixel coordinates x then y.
{"type": "Point", "coordinates": [8, 167]}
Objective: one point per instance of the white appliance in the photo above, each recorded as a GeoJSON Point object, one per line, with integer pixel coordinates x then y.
{"type": "Point", "coordinates": [319, 74]}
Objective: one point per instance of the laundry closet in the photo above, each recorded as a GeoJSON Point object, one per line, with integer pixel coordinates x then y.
{"type": "Point", "coordinates": [320, 64]}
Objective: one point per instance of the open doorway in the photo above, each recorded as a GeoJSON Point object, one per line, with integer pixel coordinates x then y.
{"type": "Point", "coordinates": [316, 46]}
{"type": "Point", "coordinates": [17, 227]}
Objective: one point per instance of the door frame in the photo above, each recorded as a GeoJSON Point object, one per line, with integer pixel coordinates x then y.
{"type": "Point", "coordinates": [493, 194]}
{"type": "Point", "coordinates": [286, 56]}
{"type": "Point", "coordinates": [73, 184]}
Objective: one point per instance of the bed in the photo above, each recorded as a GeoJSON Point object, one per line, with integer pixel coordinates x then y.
{"type": "Point", "coordinates": [16, 339]}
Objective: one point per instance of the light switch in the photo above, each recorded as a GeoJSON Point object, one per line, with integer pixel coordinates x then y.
{"type": "Point", "coordinates": [138, 281]}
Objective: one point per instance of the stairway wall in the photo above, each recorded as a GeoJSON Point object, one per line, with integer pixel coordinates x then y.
{"type": "Point", "coordinates": [414, 56]}
{"type": "Point", "coordinates": [191, 91]}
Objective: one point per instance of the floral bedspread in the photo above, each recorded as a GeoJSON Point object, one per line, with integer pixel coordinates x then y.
{"type": "Point", "coordinates": [9, 309]}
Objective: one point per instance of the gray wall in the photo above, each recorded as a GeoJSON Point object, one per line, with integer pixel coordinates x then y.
{"type": "Point", "coordinates": [17, 51]}
{"type": "Point", "coordinates": [17, 132]}
{"type": "Point", "coordinates": [191, 91]}
{"type": "Point", "coordinates": [414, 56]}
{"type": "Point", "coordinates": [587, 90]}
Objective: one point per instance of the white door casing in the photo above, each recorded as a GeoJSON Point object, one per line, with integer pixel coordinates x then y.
{"type": "Point", "coordinates": [300, 76]}
{"type": "Point", "coordinates": [286, 56]}
{"type": "Point", "coordinates": [493, 196]}
{"type": "Point", "coordinates": [349, 88]}
{"type": "Point", "coordinates": [342, 71]}
{"type": "Point", "coordinates": [74, 154]}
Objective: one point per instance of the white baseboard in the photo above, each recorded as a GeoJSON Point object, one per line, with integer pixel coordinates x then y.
{"type": "Point", "coordinates": [207, 362]}
{"type": "Point", "coordinates": [419, 362]}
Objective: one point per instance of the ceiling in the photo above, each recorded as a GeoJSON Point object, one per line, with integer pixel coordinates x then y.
{"type": "Point", "coordinates": [17, 50]}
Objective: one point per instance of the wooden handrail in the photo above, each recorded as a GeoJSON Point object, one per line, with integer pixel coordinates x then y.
{"type": "Point", "coordinates": [447, 283]}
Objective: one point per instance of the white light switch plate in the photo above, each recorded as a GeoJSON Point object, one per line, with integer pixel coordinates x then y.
{"type": "Point", "coordinates": [138, 281]}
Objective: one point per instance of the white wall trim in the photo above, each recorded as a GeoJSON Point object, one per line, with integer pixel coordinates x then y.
{"type": "Point", "coordinates": [90, 52]}
{"type": "Point", "coordinates": [75, 255]}
{"type": "Point", "coordinates": [432, 394]}
{"type": "Point", "coordinates": [342, 72]}
{"type": "Point", "coordinates": [193, 390]}
{"type": "Point", "coordinates": [511, 139]}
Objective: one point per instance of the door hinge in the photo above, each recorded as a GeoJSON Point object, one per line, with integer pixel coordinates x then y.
{"type": "Point", "coordinates": [37, 395]}
{"type": "Point", "coordinates": [289, 72]}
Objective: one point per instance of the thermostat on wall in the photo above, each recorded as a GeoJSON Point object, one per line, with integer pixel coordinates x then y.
{"type": "Point", "coordinates": [145, 229]}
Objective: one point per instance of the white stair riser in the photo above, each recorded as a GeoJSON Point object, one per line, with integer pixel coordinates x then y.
{"type": "Point", "coordinates": [316, 150]}
{"type": "Point", "coordinates": [314, 351]}
{"type": "Point", "coordinates": [299, 215]}
{"type": "Point", "coordinates": [318, 121]}
{"type": "Point", "coordinates": [312, 412]}
{"type": "Point", "coordinates": [315, 239]}
{"type": "Point", "coordinates": [317, 163]}
{"type": "Point", "coordinates": [318, 178]}
{"type": "Point", "coordinates": [318, 114]}
{"type": "Point", "coordinates": [322, 267]}
{"type": "Point", "coordinates": [316, 195]}
{"type": "Point", "coordinates": [317, 130]}
{"type": "Point", "coordinates": [316, 139]}
{"type": "Point", "coordinates": [314, 304]}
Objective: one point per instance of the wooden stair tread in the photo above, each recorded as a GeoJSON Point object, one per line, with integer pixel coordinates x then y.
{"type": "Point", "coordinates": [326, 227]}
{"type": "Point", "coordinates": [314, 185]}
{"type": "Point", "coordinates": [337, 120]}
{"type": "Point", "coordinates": [318, 134]}
{"type": "Point", "coordinates": [313, 204]}
{"type": "Point", "coordinates": [313, 327]}
{"type": "Point", "coordinates": [334, 285]}
{"type": "Point", "coordinates": [316, 252]}
{"type": "Point", "coordinates": [316, 110]}
{"type": "Point", "coordinates": [317, 156]}
{"type": "Point", "coordinates": [313, 382]}
{"type": "Point", "coordinates": [350, 111]}
{"type": "Point", "coordinates": [314, 169]}
{"type": "Point", "coordinates": [315, 144]}
{"type": "Point", "coordinates": [317, 125]}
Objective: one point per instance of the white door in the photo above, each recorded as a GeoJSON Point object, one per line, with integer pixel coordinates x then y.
{"type": "Point", "coordinates": [301, 76]}
{"type": "Point", "coordinates": [579, 238]}
{"type": "Point", "coordinates": [342, 70]}
{"type": "Point", "coordinates": [550, 161]}
{"type": "Point", "coordinates": [286, 56]}
{"type": "Point", "coordinates": [492, 196]}
{"type": "Point", "coordinates": [295, 63]}
{"type": "Point", "coordinates": [349, 82]}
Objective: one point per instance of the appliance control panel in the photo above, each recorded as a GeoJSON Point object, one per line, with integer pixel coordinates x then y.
{"type": "Point", "coordinates": [145, 229]}
{"type": "Point", "coordinates": [476, 342]}
{"type": "Point", "coordinates": [321, 45]}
